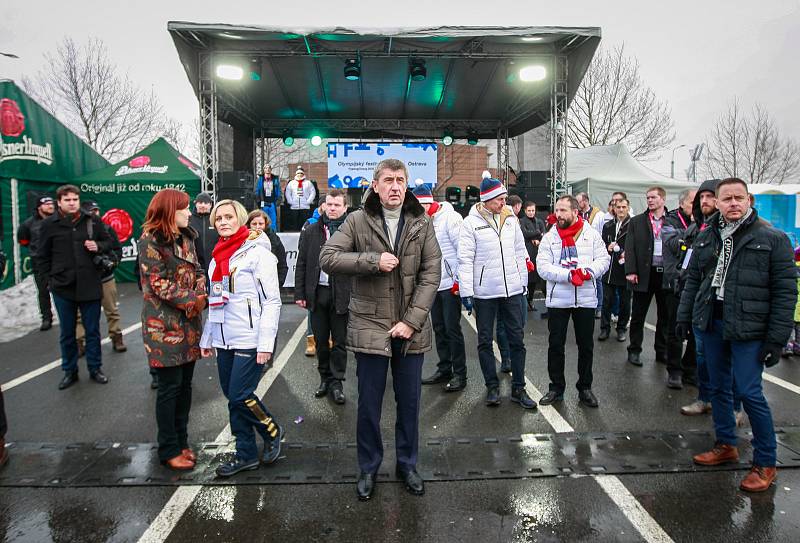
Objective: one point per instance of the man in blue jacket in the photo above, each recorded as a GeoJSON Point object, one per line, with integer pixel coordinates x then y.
{"type": "Point", "coordinates": [268, 194]}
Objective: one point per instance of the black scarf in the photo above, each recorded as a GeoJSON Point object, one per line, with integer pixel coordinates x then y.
{"type": "Point", "coordinates": [333, 224]}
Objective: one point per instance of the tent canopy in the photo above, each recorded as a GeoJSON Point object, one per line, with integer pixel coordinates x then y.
{"type": "Point", "coordinates": [124, 190]}
{"type": "Point", "coordinates": [472, 82]}
{"type": "Point", "coordinates": [603, 169]}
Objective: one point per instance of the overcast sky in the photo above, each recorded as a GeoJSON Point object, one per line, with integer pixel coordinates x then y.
{"type": "Point", "coordinates": [697, 55]}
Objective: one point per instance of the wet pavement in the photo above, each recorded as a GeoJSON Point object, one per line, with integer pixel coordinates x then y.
{"type": "Point", "coordinates": [479, 485]}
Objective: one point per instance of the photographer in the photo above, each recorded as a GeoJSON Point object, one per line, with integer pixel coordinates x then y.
{"type": "Point", "coordinates": [71, 239]}
{"type": "Point", "coordinates": [106, 263]}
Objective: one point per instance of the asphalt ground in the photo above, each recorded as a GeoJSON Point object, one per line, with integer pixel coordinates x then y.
{"type": "Point", "coordinates": [682, 506]}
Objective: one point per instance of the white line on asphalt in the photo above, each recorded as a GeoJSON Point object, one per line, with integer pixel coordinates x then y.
{"type": "Point", "coordinates": [56, 363]}
{"type": "Point", "coordinates": [791, 387]}
{"type": "Point", "coordinates": [183, 497]}
{"type": "Point", "coordinates": [637, 515]}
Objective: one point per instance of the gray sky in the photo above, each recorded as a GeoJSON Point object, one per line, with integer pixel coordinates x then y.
{"type": "Point", "coordinates": [697, 55]}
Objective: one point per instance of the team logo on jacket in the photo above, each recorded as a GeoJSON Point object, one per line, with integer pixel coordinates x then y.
{"type": "Point", "coordinates": [122, 223]}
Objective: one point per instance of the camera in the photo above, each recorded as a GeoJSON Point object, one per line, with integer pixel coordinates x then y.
{"type": "Point", "coordinates": [104, 264]}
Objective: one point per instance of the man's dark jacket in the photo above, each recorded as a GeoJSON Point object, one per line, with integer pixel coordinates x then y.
{"type": "Point", "coordinates": [709, 185]}
{"type": "Point", "coordinates": [616, 273]}
{"type": "Point", "coordinates": [280, 253]}
{"type": "Point", "coordinates": [207, 237]}
{"type": "Point", "coordinates": [532, 230]}
{"type": "Point", "coordinates": [29, 234]}
{"type": "Point", "coordinates": [64, 259]}
{"type": "Point", "coordinates": [306, 273]}
{"type": "Point", "coordinates": [760, 288]}
{"type": "Point", "coordinates": [639, 250]}
{"type": "Point", "coordinates": [674, 247]}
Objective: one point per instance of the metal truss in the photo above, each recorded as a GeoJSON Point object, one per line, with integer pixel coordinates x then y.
{"type": "Point", "coordinates": [502, 155]}
{"type": "Point", "coordinates": [460, 127]}
{"type": "Point", "coordinates": [558, 129]}
{"type": "Point", "coordinates": [209, 160]}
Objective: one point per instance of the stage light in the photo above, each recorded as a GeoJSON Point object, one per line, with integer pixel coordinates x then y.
{"type": "Point", "coordinates": [447, 139]}
{"type": "Point", "coordinates": [352, 69]}
{"type": "Point", "coordinates": [417, 70]}
{"type": "Point", "coordinates": [229, 71]}
{"type": "Point", "coordinates": [255, 69]}
{"type": "Point", "coordinates": [472, 138]}
{"type": "Point", "coordinates": [532, 73]}
{"type": "Point", "coordinates": [288, 139]}
{"type": "Point", "coordinates": [532, 38]}
{"type": "Point", "coordinates": [316, 140]}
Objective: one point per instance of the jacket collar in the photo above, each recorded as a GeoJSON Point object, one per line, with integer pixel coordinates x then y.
{"type": "Point", "coordinates": [411, 206]}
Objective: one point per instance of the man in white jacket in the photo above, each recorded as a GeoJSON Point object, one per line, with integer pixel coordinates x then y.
{"type": "Point", "coordinates": [446, 310]}
{"type": "Point", "coordinates": [493, 277]}
{"type": "Point", "coordinates": [300, 194]}
{"type": "Point", "coordinates": [572, 259]}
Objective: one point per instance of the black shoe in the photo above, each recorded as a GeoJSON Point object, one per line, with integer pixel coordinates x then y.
{"type": "Point", "coordinates": [587, 397]}
{"type": "Point", "coordinates": [622, 336]}
{"type": "Point", "coordinates": [272, 450]}
{"type": "Point", "coordinates": [604, 335]}
{"type": "Point", "coordinates": [455, 384]}
{"type": "Point", "coordinates": [675, 382]}
{"type": "Point", "coordinates": [438, 377]}
{"type": "Point", "coordinates": [68, 380]}
{"type": "Point", "coordinates": [322, 391]}
{"type": "Point", "coordinates": [492, 396]}
{"type": "Point", "coordinates": [521, 397]}
{"type": "Point", "coordinates": [337, 394]}
{"type": "Point", "coordinates": [154, 382]}
{"type": "Point", "coordinates": [232, 468]}
{"type": "Point", "coordinates": [365, 486]}
{"type": "Point", "coordinates": [414, 483]}
{"type": "Point", "coordinates": [47, 324]}
{"type": "Point", "coordinates": [633, 358]}
{"type": "Point", "coordinates": [99, 377]}
{"type": "Point", "coordinates": [505, 366]}
{"type": "Point", "coordinates": [551, 397]}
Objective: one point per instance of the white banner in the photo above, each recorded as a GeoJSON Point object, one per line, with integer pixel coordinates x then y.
{"type": "Point", "coordinates": [290, 241]}
{"type": "Point", "coordinates": [351, 165]}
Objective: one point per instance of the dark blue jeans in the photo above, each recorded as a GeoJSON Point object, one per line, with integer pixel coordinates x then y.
{"type": "Point", "coordinates": [735, 364]}
{"type": "Point", "coordinates": [407, 380]}
{"type": "Point", "coordinates": [510, 311]}
{"type": "Point", "coordinates": [239, 376]}
{"type": "Point", "coordinates": [446, 320]}
{"type": "Point", "coordinates": [703, 381]}
{"type": "Point", "coordinates": [68, 317]}
{"type": "Point", "coordinates": [502, 337]}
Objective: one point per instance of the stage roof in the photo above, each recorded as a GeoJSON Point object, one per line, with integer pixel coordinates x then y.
{"type": "Point", "coordinates": [472, 78]}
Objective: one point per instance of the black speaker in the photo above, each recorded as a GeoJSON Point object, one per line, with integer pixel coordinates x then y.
{"type": "Point", "coordinates": [235, 180]}
{"type": "Point", "coordinates": [243, 196]}
{"type": "Point", "coordinates": [534, 185]}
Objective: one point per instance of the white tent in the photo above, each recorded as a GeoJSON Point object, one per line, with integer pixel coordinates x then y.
{"type": "Point", "coordinates": [603, 169]}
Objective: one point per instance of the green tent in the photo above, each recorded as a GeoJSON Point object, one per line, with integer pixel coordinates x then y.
{"type": "Point", "coordinates": [37, 154]}
{"type": "Point", "coordinates": [124, 190]}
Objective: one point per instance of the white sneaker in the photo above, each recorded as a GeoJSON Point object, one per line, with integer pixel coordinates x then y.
{"type": "Point", "coordinates": [697, 407]}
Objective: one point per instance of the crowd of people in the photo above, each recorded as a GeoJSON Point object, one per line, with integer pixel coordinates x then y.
{"type": "Point", "coordinates": [388, 281]}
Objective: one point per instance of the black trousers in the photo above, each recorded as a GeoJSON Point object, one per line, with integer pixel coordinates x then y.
{"type": "Point", "coordinates": [641, 303]}
{"type": "Point", "coordinates": [679, 361]}
{"type": "Point", "coordinates": [609, 295]}
{"type": "Point", "coordinates": [446, 320]}
{"type": "Point", "coordinates": [3, 421]}
{"type": "Point", "coordinates": [331, 363]}
{"type": "Point", "coordinates": [45, 308]}
{"type": "Point", "coordinates": [173, 403]}
{"type": "Point", "coordinates": [583, 324]}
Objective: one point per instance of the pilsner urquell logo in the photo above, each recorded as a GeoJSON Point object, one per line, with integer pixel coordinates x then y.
{"type": "Point", "coordinates": [121, 221]}
{"type": "Point", "coordinates": [12, 125]}
{"type": "Point", "coordinates": [140, 164]}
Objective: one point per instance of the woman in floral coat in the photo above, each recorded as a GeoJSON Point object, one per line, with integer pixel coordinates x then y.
{"type": "Point", "coordinates": [174, 288]}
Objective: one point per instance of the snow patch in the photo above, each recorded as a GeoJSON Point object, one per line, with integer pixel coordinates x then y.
{"type": "Point", "coordinates": [19, 310]}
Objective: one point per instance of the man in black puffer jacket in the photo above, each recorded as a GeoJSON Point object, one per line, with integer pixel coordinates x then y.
{"type": "Point", "coordinates": [740, 295]}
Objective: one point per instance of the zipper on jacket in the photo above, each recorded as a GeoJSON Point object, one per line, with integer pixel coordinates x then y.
{"type": "Point", "coordinates": [480, 281]}
{"type": "Point", "coordinates": [222, 332]}
{"type": "Point", "coordinates": [502, 257]}
{"type": "Point", "coordinates": [552, 290]}
{"type": "Point", "coordinates": [264, 294]}
{"type": "Point", "coordinates": [250, 313]}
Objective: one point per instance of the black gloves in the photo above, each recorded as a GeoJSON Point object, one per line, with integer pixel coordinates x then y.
{"type": "Point", "coordinates": [770, 354]}
{"type": "Point", "coordinates": [683, 330]}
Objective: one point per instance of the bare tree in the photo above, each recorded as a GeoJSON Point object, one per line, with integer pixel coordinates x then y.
{"type": "Point", "coordinates": [85, 90]}
{"type": "Point", "coordinates": [750, 146]}
{"type": "Point", "coordinates": [613, 105]}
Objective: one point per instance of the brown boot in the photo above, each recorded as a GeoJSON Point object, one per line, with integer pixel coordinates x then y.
{"type": "Point", "coordinates": [118, 344]}
{"type": "Point", "coordinates": [311, 346]}
{"type": "Point", "coordinates": [759, 479]}
{"type": "Point", "coordinates": [720, 454]}
{"type": "Point", "coordinates": [3, 453]}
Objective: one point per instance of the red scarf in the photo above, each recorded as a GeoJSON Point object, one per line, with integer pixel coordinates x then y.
{"type": "Point", "coordinates": [223, 251]}
{"type": "Point", "coordinates": [434, 207]}
{"type": "Point", "coordinates": [569, 255]}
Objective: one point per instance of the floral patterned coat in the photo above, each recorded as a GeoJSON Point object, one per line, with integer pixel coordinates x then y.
{"type": "Point", "coordinates": [172, 280]}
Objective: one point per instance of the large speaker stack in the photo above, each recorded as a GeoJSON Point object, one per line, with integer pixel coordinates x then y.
{"type": "Point", "coordinates": [237, 186]}
{"type": "Point", "coordinates": [534, 186]}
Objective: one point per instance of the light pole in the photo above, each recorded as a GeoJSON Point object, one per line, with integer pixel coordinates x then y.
{"type": "Point", "coordinates": [672, 163]}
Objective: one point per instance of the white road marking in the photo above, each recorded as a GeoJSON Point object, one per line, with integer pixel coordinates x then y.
{"type": "Point", "coordinates": [183, 497]}
{"type": "Point", "coordinates": [637, 515]}
{"type": "Point", "coordinates": [56, 363]}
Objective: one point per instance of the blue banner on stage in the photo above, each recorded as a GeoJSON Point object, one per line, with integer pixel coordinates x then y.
{"type": "Point", "coordinates": [351, 165]}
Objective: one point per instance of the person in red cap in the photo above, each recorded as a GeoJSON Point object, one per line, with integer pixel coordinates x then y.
{"type": "Point", "coordinates": [28, 236]}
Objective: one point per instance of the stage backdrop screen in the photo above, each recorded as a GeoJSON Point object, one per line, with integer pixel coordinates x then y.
{"type": "Point", "coordinates": [350, 165]}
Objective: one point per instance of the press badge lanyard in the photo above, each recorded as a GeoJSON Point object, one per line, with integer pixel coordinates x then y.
{"type": "Point", "coordinates": [683, 221]}
{"type": "Point", "coordinates": [656, 231]}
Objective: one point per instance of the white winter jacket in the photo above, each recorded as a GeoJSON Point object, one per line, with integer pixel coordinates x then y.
{"type": "Point", "coordinates": [592, 256]}
{"type": "Point", "coordinates": [447, 225]}
{"type": "Point", "coordinates": [298, 199]}
{"type": "Point", "coordinates": [249, 320]}
{"type": "Point", "coordinates": [491, 264]}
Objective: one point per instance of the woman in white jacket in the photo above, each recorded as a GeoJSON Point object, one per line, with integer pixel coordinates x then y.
{"type": "Point", "coordinates": [244, 308]}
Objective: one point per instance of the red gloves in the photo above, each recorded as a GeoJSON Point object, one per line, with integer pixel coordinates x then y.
{"type": "Point", "coordinates": [454, 288]}
{"type": "Point", "coordinates": [530, 265]}
{"type": "Point", "coordinates": [578, 276]}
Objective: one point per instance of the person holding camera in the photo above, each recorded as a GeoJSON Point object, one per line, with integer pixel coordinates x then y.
{"type": "Point", "coordinates": [106, 263]}
{"type": "Point", "coordinates": [71, 241]}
